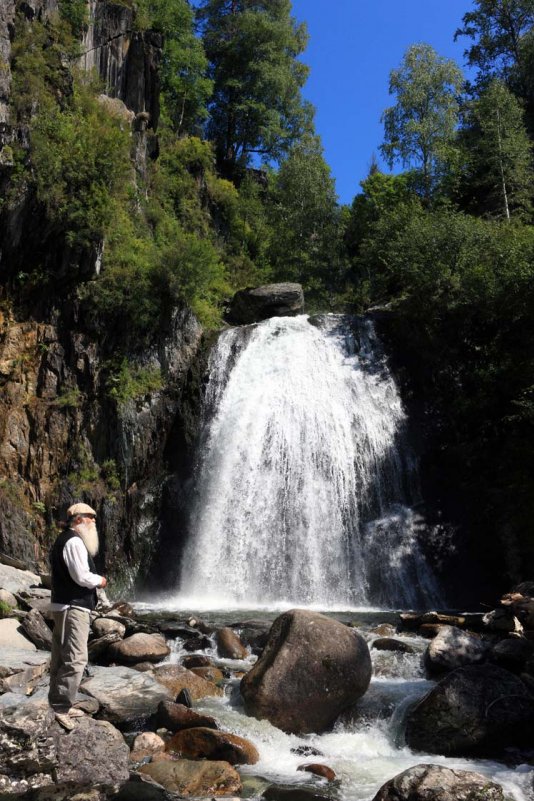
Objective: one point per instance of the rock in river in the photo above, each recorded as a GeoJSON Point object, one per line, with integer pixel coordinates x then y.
{"type": "Point", "coordinates": [473, 711]}
{"type": "Point", "coordinates": [139, 648]}
{"type": "Point", "coordinates": [452, 648]}
{"type": "Point", "coordinates": [229, 644]}
{"type": "Point", "coordinates": [204, 743]}
{"type": "Point", "coordinates": [176, 717]}
{"type": "Point", "coordinates": [437, 783]}
{"type": "Point", "coordinates": [177, 678]}
{"type": "Point", "coordinates": [312, 668]}
{"type": "Point", "coordinates": [188, 777]}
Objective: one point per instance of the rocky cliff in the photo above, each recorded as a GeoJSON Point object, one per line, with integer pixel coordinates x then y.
{"type": "Point", "coordinates": [70, 428]}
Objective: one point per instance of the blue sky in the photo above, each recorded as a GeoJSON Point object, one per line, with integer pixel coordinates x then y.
{"type": "Point", "coordinates": [353, 46]}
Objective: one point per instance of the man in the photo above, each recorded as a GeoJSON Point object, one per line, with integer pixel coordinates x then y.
{"type": "Point", "coordinates": [74, 584]}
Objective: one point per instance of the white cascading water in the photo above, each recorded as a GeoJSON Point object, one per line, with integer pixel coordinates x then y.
{"type": "Point", "coordinates": [305, 478]}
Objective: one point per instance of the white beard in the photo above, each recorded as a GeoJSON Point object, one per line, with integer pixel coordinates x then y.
{"type": "Point", "coordinates": [89, 535]}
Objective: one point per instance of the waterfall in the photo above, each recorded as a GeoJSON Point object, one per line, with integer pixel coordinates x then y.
{"type": "Point", "coordinates": [305, 477]}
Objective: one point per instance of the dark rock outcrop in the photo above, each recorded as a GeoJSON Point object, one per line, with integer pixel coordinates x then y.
{"type": "Point", "coordinates": [436, 783]}
{"type": "Point", "coordinates": [310, 670]}
{"type": "Point", "coordinates": [272, 300]}
{"type": "Point", "coordinates": [473, 711]}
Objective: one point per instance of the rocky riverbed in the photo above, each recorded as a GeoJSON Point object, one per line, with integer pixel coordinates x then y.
{"type": "Point", "coordinates": [230, 705]}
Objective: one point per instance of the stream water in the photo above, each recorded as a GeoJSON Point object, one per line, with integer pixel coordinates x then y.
{"type": "Point", "coordinates": [366, 747]}
{"type": "Point", "coordinates": [307, 495]}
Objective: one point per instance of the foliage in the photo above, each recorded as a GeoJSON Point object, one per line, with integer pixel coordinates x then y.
{"type": "Point", "coordinates": [499, 156]}
{"type": "Point", "coordinates": [252, 48]}
{"type": "Point", "coordinates": [304, 217]}
{"type": "Point", "coordinates": [420, 128]}
{"type": "Point", "coordinates": [69, 398]}
{"type": "Point", "coordinates": [75, 13]}
{"type": "Point", "coordinates": [5, 609]}
{"type": "Point", "coordinates": [131, 382]}
{"type": "Point", "coordinates": [184, 85]}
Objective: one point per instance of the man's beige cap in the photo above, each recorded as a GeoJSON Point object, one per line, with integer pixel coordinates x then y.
{"type": "Point", "coordinates": [80, 509]}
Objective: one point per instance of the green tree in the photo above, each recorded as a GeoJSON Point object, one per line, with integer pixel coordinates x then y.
{"type": "Point", "coordinates": [252, 47]}
{"type": "Point", "coordinates": [499, 30]}
{"type": "Point", "coordinates": [304, 218]}
{"type": "Point", "coordinates": [420, 128]}
{"type": "Point", "coordinates": [500, 153]}
{"type": "Point", "coordinates": [185, 86]}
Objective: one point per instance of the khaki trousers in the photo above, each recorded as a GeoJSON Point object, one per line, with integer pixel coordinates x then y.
{"type": "Point", "coordinates": [69, 656]}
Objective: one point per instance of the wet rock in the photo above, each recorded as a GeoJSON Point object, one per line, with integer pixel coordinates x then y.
{"type": "Point", "coordinates": [197, 644]}
{"type": "Point", "coordinates": [204, 743]}
{"type": "Point", "coordinates": [177, 678]}
{"type": "Point", "coordinates": [139, 648]}
{"type": "Point", "coordinates": [391, 644]}
{"type": "Point", "coordinates": [33, 744]}
{"type": "Point", "coordinates": [473, 711]}
{"type": "Point", "coordinates": [105, 625]}
{"type": "Point", "coordinates": [176, 717]}
{"type": "Point", "coordinates": [284, 792]}
{"type": "Point", "coordinates": [190, 778]}
{"type": "Point", "coordinates": [319, 770]}
{"type": "Point", "coordinates": [512, 654]}
{"type": "Point", "coordinates": [413, 620]}
{"type": "Point", "coordinates": [311, 669]}
{"type": "Point", "coordinates": [273, 300]}
{"type": "Point", "coordinates": [229, 644]}
{"type": "Point", "coordinates": [210, 674]}
{"type": "Point", "coordinates": [437, 783]}
{"type": "Point", "coordinates": [11, 635]}
{"type": "Point", "coordinates": [452, 648]}
{"type": "Point", "coordinates": [384, 630]}
{"type": "Point", "coordinates": [196, 660]}
{"type": "Point", "coordinates": [146, 745]}
{"type": "Point", "coordinates": [306, 750]}
{"type": "Point", "coordinates": [254, 634]}
{"type": "Point", "coordinates": [201, 625]}
{"type": "Point", "coordinates": [37, 631]}
{"type": "Point", "coordinates": [123, 608]}
{"type": "Point", "coordinates": [142, 788]}
{"type": "Point", "coordinates": [430, 630]}
{"type": "Point", "coordinates": [502, 619]}
{"type": "Point", "coordinates": [124, 694]}
{"type": "Point", "coordinates": [142, 667]}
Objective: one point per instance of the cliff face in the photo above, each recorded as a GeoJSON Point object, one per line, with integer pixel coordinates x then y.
{"type": "Point", "coordinates": [64, 434]}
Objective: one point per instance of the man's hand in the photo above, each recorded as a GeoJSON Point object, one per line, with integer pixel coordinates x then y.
{"type": "Point", "coordinates": [103, 583]}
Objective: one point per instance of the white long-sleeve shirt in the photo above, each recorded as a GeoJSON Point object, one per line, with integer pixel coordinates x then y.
{"type": "Point", "coordinates": [75, 556]}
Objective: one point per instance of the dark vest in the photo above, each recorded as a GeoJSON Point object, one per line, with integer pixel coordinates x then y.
{"type": "Point", "coordinates": [64, 589]}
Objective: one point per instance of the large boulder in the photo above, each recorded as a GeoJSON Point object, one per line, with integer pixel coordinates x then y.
{"type": "Point", "coordinates": [35, 752]}
{"type": "Point", "coordinates": [473, 711]}
{"type": "Point", "coordinates": [311, 669]}
{"type": "Point", "coordinates": [188, 777]}
{"type": "Point", "coordinates": [177, 678]}
{"type": "Point", "coordinates": [272, 300]}
{"type": "Point", "coordinates": [204, 743]}
{"type": "Point", "coordinates": [15, 580]}
{"type": "Point", "coordinates": [124, 694]}
{"type": "Point", "coordinates": [139, 648]}
{"type": "Point", "coordinates": [437, 783]}
{"type": "Point", "coordinates": [452, 648]}
{"type": "Point", "coordinates": [229, 644]}
{"type": "Point", "coordinates": [105, 625]}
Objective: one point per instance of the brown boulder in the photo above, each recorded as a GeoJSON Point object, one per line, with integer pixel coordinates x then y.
{"type": "Point", "coordinates": [311, 669]}
{"type": "Point", "coordinates": [177, 678]}
{"type": "Point", "coordinates": [176, 717]}
{"type": "Point", "coordinates": [319, 770]}
{"type": "Point", "coordinates": [210, 674]}
{"type": "Point", "coordinates": [437, 783]}
{"type": "Point", "coordinates": [105, 625]}
{"type": "Point", "coordinates": [187, 777]}
{"type": "Point", "coordinates": [206, 743]}
{"type": "Point", "coordinates": [391, 644]}
{"type": "Point", "coordinates": [139, 648]}
{"type": "Point", "coordinates": [229, 644]}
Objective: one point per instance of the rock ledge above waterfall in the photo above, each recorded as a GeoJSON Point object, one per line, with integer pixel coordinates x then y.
{"type": "Point", "coordinates": [272, 300]}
